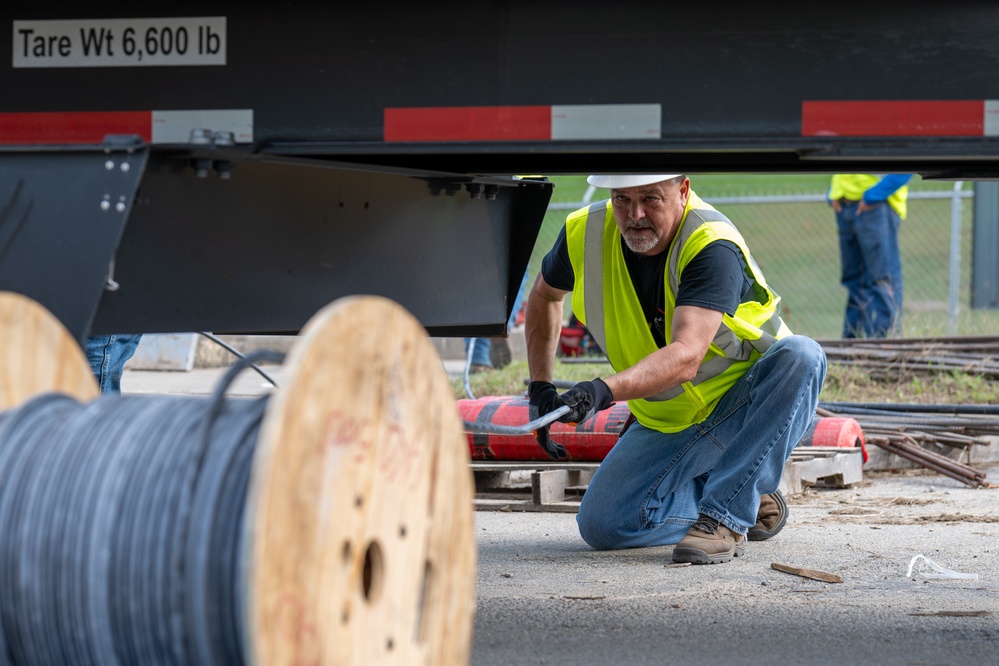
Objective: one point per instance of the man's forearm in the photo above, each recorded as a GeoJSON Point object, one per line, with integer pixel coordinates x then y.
{"type": "Point", "coordinates": [677, 362]}
{"type": "Point", "coordinates": [661, 370]}
{"type": "Point", "coordinates": [542, 327]}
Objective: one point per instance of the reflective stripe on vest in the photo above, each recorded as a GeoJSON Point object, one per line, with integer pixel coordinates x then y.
{"type": "Point", "coordinates": [594, 256]}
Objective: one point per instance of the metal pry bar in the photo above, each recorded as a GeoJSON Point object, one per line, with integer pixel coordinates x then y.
{"type": "Point", "coordinates": [529, 427]}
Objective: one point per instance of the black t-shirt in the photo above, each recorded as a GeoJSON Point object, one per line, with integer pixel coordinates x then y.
{"type": "Point", "coordinates": [716, 279]}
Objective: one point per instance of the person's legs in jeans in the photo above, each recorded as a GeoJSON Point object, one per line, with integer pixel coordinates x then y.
{"type": "Point", "coordinates": [852, 272]}
{"type": "Point", "coordinates": [651, 486]}
{"type": "Point", "coordinates": [877, 237]}
{"type": "Point", "coordinates": [478, 348]}
{"type": "Point", "coordinates": [644, 493]}
{"type": "Point", "coordinates": [107, 355]}
{"type": "Point", "coordinates": [780, 394]}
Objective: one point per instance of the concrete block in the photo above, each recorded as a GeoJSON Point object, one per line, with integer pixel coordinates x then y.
{"type": "Point", "coordinates": [165, 351]}
{"type": "Point", "coordinates": [548, 486]}
{"type": "Point", "coordinates": [212, 355]}
{"type": "Point", "coordinates": [186, 351]}
{"type": "Point", "coordinates": [449, 348]}
{"type": "Point", "coordinates": [453, 349]}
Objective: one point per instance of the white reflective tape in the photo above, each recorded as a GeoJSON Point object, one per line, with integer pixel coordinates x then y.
{"type": "Point", "coordinates": [991, 124]}
{"type": "Point", "coordinates": [176, 126]}
{"type": "Point", "coordinates": [606, 121]}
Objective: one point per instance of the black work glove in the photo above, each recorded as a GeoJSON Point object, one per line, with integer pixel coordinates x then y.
{"type": "Point", "coordinates": [586, 399]}
{"type": "Point", "coordinates": [543, 398]}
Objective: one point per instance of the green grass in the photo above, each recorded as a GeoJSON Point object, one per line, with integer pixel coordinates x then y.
{"type": "Point", "coordinates": [843, 384]}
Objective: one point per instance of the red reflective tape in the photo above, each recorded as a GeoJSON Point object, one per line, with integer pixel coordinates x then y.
{"type": "Point", "coordinates": [469, 123]}
{"type": "Point", "coordinates": [893, 118]}
{"type": "Point", "coordinates": [72, 127]}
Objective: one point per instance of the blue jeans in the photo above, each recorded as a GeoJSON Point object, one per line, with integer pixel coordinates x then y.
{"type": "Point", "coordinates": [107, 355]}
{"type": "Point", "coordinates": [480, 351]}
{"type": "Point", "coordinates": [651, 486]}
{"type": "Point", "coordinates": [871, 271]}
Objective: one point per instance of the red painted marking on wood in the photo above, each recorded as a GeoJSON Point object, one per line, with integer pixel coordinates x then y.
{"type": "Point", "coordinates": [344, 431]}
{"type": "Point", "coordinates": [402, 455]}
{"type": "Point", "coordinates": [296, 627]}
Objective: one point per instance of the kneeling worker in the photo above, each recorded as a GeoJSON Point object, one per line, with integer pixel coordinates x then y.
{"type": "Point", "coordinates": [720, 389]}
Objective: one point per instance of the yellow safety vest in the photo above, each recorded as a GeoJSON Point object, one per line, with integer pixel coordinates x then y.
{"type": "Point", "coordinates": [851, 186]}
{"type": "Point", "coordinates": [604, 300]}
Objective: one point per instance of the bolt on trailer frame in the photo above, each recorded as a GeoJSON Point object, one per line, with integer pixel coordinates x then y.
{"type": "Point", "coordinates": [230, 168]}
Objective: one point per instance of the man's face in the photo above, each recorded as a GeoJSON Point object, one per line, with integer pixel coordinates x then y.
{"type": "Point", "coordinates": [648, 216]}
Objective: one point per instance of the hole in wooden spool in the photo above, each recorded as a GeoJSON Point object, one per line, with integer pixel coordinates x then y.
{"type": "Point", "coordinates": [389, 644]}
{"type": "Point", "coordinates": [426, 585]}
{"type": "Point", "coordinates": [373, 578]}
{"type": "Point", "coordinates": [402, 531]}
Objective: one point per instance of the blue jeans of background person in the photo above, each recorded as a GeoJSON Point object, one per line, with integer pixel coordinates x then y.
{"type": "Point", "coordinates": [480, 351]}
{"type": "Point", "coordinates": [651, 486]}
{"type": "Point", "coordinates": [107, 355]}
{"type": "Point", "coordinates": [871, 271]}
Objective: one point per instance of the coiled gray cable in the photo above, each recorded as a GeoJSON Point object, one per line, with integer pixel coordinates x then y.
{"type": "Point", "coordinates": [121, 521]}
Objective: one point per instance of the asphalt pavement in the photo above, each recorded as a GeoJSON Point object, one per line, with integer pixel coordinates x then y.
{"type": "Point", "coordinates": [545, 597]}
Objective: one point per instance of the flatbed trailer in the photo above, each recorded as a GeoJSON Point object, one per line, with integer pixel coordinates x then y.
{"type": "Point", "coordinates": [226, 167]}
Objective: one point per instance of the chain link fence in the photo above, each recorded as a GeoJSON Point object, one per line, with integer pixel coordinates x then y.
{"type": "Point", "coordinates": [794, 239]}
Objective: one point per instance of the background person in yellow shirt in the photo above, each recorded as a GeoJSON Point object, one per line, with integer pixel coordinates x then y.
{"type": "Point", "coordinates": [869, 210]}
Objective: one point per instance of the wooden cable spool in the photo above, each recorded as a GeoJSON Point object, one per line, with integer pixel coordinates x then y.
{"type": "Point", "coordinates": [38, 354]}
{"type": "Point", "coordinates": [358, 526]}
{"type": "Point", "coordinates": [361, 501]}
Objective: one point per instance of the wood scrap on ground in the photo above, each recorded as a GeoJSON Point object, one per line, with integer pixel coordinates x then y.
{"type": "Point", "coordinates": [807, 573]}
{"type": "Point", "coordinates": [978, 613]}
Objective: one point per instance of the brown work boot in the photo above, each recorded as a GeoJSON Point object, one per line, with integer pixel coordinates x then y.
{"type": "Point", "coordinates": [771, 517]}
{"type": "Point", "coordinates": [500, 353]}
{"type": "Point", "coordinates": [708, 542]}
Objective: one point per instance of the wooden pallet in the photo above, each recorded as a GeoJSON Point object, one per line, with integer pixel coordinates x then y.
{"type": "Point", "coordinates": [552, 486]}
{"type": "Point", "coordinates": [821, 466]}
{"type": "Point", "coordinates": [531, 486]}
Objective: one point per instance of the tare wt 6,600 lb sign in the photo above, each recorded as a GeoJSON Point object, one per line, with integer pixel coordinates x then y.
{"type": "Point", "coordinates": [120, 42]}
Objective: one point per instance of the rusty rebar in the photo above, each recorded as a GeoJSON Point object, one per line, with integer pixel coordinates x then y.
{"type": "Point", "coordinates": [976, 356]}
{"type": "Point", "coordinates": [933, 461]}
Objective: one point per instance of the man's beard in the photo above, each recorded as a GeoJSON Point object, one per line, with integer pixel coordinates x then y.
{"type": "Point", "coordinates": [640, 243]}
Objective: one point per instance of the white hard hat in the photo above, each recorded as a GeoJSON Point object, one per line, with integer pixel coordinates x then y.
{"type": "Point", "coordinates": [636, 180]}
